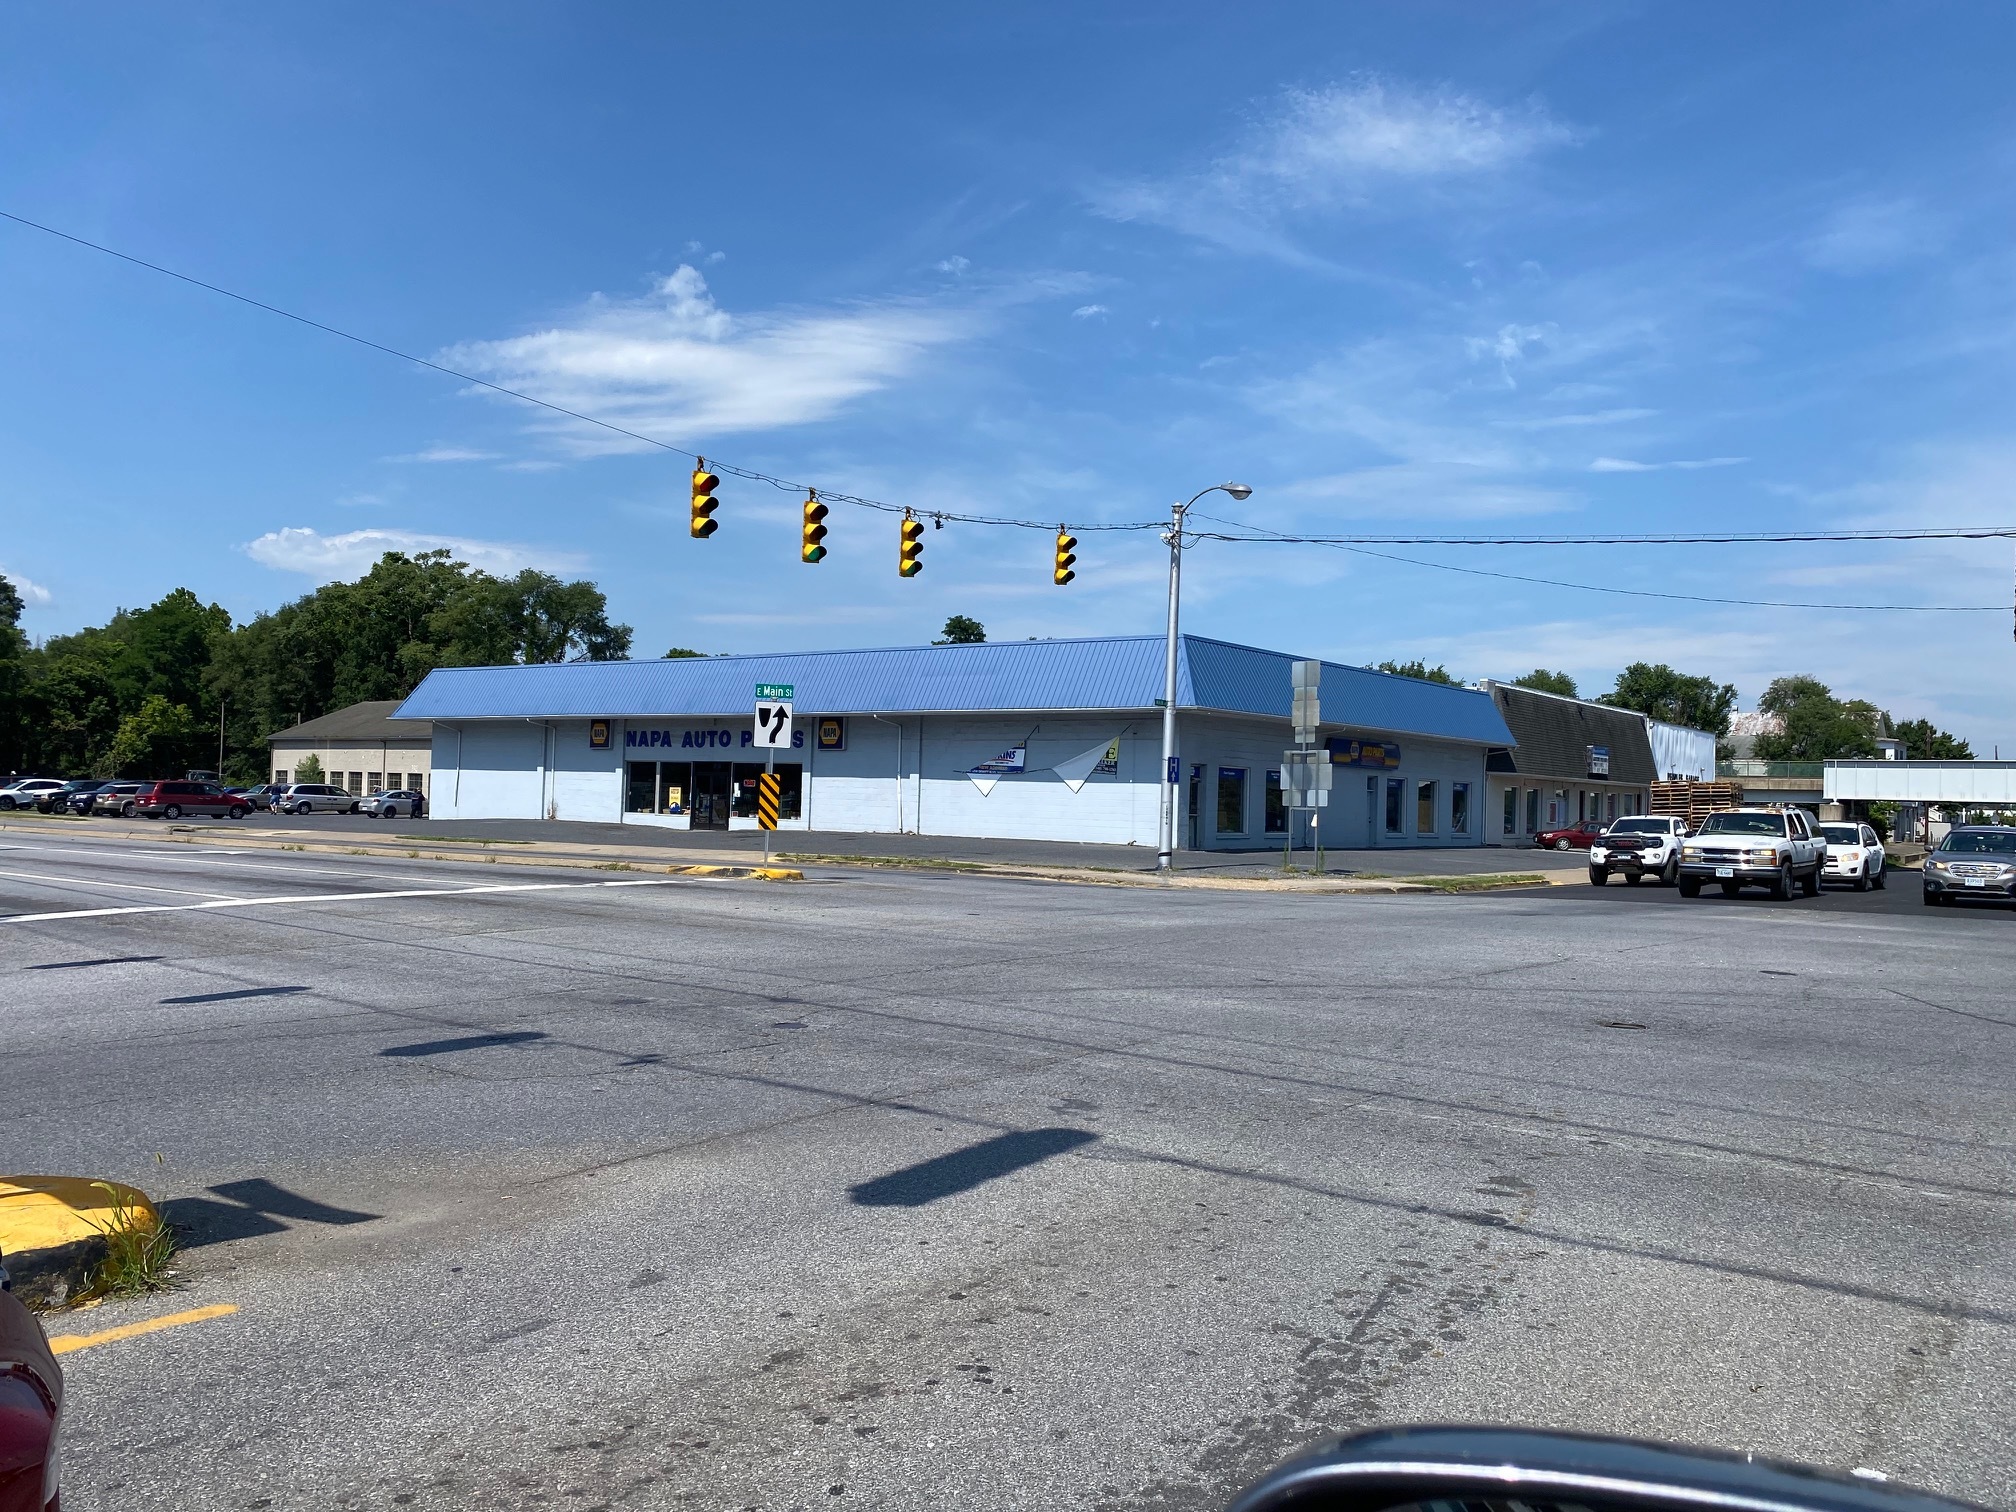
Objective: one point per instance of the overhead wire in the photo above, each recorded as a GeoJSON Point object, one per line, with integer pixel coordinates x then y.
{"type": "Point", "coordinates": [1359, 544]}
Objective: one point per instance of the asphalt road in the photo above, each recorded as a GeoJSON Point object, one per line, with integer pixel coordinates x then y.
{"type": "Point", "coordinates": [942, 1190]}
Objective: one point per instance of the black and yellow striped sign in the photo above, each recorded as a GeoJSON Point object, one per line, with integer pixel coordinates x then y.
{"type": "Point", "coordinates": [766, 801]}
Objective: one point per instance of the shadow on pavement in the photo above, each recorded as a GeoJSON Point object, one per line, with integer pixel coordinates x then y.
{"type": "Point", "coordinates": [962, 1170]}
{"type": "Point", "coordinates": [253, 1207]}
{"type": "Point", "coordinates": [468, 1042]}
{"type": "Point", "coordinates": [242, 992]}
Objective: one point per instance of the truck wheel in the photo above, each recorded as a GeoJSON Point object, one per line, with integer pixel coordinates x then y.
{"type": "Point", "coordinates": [1690, 887]}
{"type": "Point", "coordinates": [1672, 872]}
{"type": "Point", "coordinates": [1883, 876]}
{"type": "Point", "coordinates": [1810, 883]}
{"type": "Point", "coordinates": [1781, 885]}
{"type": "Point", "coordinates": [1598, 876]}
{"type": "Point", "coordinates": [1863, 883]}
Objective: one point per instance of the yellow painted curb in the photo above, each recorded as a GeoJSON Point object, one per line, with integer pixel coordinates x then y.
{"type": "Point", "coordinates": [47, 1212]}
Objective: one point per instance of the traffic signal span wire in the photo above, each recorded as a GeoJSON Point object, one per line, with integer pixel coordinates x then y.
{"type": "Point", "coordinates": [1516, 577]}
{"type": "Point", "coordinates": [1959, 533]}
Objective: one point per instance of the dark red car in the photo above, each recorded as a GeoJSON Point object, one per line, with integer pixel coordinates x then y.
{"type": "Point", "coordinates": [31, 1410]}
{"type": "Point", "coordinates": [171, 800]}
{"type": "Point", "coordinates": [1572, 837]}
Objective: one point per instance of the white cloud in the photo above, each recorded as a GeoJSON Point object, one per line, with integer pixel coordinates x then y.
{"type": "Point", "coordinates": [1869, 235]}
{"type": "Point", "coordinates": [1325, 149]}
{"type": "Point", "coordinates": [1625, 465]}
{"type": "Point", "coordinates": [954, 265]}
{"type": "Point", "coordinates": [337, 558]}
{"type": "Point", "coordinates": [1087, 312]}
{"type": "Point", "coordinates": [1563, 422]}
{"type": "Point", "coordinates": [677, 366]}
{"type": "Point", "coordinates": [31, 591]}
{"type": "Point", "coordinates": [446, 454]}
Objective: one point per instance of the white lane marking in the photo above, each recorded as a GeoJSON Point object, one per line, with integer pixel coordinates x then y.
{"type": "Point", "coordinates": [359, 897]}
{"type": "Point", "coordinates": [187, 892]}
{"type": "Point", "coordinates": [330, 871]}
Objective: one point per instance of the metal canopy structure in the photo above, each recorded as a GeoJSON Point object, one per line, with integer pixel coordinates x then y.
{"type": "Point", "coordinates": [1975, 784]}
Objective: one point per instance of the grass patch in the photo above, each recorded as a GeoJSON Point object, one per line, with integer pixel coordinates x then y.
{"type": "Point", "coordinates": [1488, 883]}
{"type": "Point", "coordinates": [614, 866]}
{"type": "Point", "coordinates": [139, 1251]}
{"type": "Point", "coordinates": [462, 840]}
{"type": "Point", "coordinates": [930, 863]}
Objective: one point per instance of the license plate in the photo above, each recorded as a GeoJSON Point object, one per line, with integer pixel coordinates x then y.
{"type": "Point", "coordinates": [1725, 871]}
{"type": "Point", "coordinates": [1976, 881]}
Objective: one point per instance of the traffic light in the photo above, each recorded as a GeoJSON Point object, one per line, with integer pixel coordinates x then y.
{"type": "Point", "coordinates": [704, 484]}
{"type": "Point", "coordinates": [913, 547]}
{"type": "Point", "coordinates": [1065, 542]}
{"type": "Point", "coordinates": [810, 550]}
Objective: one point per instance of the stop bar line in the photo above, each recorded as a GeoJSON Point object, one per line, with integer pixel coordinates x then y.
{"type": "Point", "coordinates": [361, 897]}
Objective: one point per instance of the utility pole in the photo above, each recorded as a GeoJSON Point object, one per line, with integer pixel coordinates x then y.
{"type": "Point", "coordinates": [1165, 856]}
{"type": "Point", "coordinates": [222, 699]}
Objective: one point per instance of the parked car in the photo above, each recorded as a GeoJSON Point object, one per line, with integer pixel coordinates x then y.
{"type": "Point", "coordinates": [1569, 837]}
{"type": "Point", "coordinates": [1739, 848]}
{"type": "Point", "coordinates": [26, 792]}
{"type": "Point", "coordinates": [313, 798]}
{"type": "Point", "coordinates": [120, 798]}
{"type": "Point", "coordinates": [261, 797]}
{"type": "Point", "coordinates": [172, 800]}
{"type": "Point", "coordinates": [391, 805]}
{"type": "Point", "coordinates": [71, 798]}
{"type": "Point", "coordinates": [1855, 854]}
{"type": "Point", "coordinates": [1644, 845]}
{"type": "Point", "coordinates": [31, 1409]}
{"type": "Point", "coordinates": [1973, 861]}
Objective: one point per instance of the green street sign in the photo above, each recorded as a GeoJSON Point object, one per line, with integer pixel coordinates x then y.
{"type": "Point", "coordinates": [776, 692]}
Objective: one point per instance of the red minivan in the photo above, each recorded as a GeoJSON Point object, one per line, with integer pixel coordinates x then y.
{"type": "Point", "coordinates": [171, 800]}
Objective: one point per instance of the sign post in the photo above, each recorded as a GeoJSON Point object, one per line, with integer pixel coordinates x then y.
{"type": "Point", "coordinates": [773, 729]}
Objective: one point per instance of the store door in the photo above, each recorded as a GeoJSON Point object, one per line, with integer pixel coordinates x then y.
{"type": "Point", "coordinates": [1196, 809]}
{"type": "Point", "coordinates": [710, 795]}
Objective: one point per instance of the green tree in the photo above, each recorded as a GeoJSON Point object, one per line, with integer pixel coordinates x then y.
{"type": "Point", "coordinates": [157, 738]}
{"type": "Point", "coordinates": [1656, 689]}
{"type": "Point", "coordinates": [13, 680]}
{"type": "Point", "coordinates": [1817, 725]}
{"type": "Point", "coordinates": [1925, 741]}
{"type": "Point", "coordinates": [962, 630]}
{"type": "Point", "coordinates": [680, 653]}
{"type": "Point", "coordinates": [1420, 669]}
{"type": "Point", "coordinates": [1540, 680]}
{"type": "Point", "coordinates": [309, 769]}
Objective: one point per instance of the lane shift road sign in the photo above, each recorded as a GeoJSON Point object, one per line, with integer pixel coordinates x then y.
{"type": "Point", "coordinates": [773, 724]}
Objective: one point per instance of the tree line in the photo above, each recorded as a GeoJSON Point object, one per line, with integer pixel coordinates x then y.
{"type": "Point", "coordinates": [157, 690]}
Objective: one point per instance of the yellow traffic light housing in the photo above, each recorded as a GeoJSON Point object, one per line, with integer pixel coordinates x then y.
{"type": "Point", "coordinates": [1063, 574]}
{"type": "Point", "coordinates": [809, 549]}
{"type": "Point", "coordinates": [704, 484]}
{"type": "Point", "coordinates": [912, 555]}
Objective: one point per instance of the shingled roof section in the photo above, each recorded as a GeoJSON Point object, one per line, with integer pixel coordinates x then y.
{"type": "Point", "coordinates": [361, 721]}
{"type": "Point", "coordinates": [1554, 735]}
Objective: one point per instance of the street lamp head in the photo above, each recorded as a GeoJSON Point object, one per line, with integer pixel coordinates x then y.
{"type": "Point", "coordinates": [1238, 490]}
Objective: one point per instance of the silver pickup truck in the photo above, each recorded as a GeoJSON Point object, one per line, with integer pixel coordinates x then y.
{"type": "Point", "coordinates": [1739, 848]}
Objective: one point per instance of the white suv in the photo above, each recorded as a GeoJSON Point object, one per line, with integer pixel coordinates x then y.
{"type": "Point", "coordinates": [1768, 847]}
{"type": "Point", "coordinates": [1644, 845]}
{"type": "Point", "coordinates": [28, 791]}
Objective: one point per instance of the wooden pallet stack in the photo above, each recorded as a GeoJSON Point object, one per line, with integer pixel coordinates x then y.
{"type": "Point", "coordinates": [1695, 801]}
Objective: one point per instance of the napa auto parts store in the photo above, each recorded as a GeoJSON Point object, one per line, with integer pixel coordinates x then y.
{"type": "Point", "coordinates": [1047, 740]}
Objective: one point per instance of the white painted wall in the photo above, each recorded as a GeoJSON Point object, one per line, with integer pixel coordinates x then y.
{"type": "Point", "coordinates": [488, 770]}
{"type": "Point", "coordinates": [1977, 784]}
{"type": "Point", "coordinates": [1680, 752]}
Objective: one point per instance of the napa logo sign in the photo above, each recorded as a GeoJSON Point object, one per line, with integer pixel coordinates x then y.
{"type": "Point", "coordinates": [689, 740]}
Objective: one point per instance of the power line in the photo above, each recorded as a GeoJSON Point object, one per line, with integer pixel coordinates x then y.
{"type": "Point", "coordinates": [1692, 598]}
{"type": "Point", "coordinates": [1249, 534]}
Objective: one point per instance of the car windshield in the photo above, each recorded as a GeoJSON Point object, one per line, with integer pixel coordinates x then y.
{"type": "Point", "coordinates": [1639, 827]}
{"type": "Point", "coordinates": [1744, 824]}
{"type": "Point", "coordinates": [1980, 842]}
{"type": "Point", "coordinates": [1841, 834]}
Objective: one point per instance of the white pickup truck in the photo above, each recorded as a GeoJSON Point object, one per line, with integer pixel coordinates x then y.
{"type": "Point", "coordinates": [1738, 848]}
{"type": "Point", "coordinates": [1644, 845]}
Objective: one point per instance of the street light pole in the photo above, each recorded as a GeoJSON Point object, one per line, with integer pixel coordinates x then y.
{"type": "Point", "coordinates": [1165, 856]}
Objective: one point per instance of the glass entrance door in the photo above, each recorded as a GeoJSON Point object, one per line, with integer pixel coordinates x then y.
{"type": "Point", "coordinates": [710, 794]}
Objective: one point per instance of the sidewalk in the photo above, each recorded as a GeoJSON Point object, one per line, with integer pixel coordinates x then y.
{"type": "Point", "coordinates": [649, 844]}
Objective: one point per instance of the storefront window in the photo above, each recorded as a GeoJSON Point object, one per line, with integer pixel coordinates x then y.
{"type": "Point", "coordinates": [1459, 808]}
{"type": "Point", "coordinates": [1613, 805]}
{"type": "Point", "coordinates": [655, 787]}
{"type": "Point", "coordinates": [1396, 803]}
{"type": "Point", "coordinates": [790, 788]}
{"type": "Point", "coordinates": [1277, 806]}
{"type": "Point", "coordinates": [1532, 810]}
{"type": "Point", "coordinates": [1231, 800]}
{"type": "Point", "coordinates": [1424, 808]}
{"type": "Point", "coordinates": [1511, 811]}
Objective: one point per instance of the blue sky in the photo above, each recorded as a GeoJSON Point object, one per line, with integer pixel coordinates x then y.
{"type": "Point", "coordinates": [1438, 267]}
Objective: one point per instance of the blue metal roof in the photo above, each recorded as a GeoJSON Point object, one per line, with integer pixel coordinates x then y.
{"type": "Point", "coordinates": [1105, 673]}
